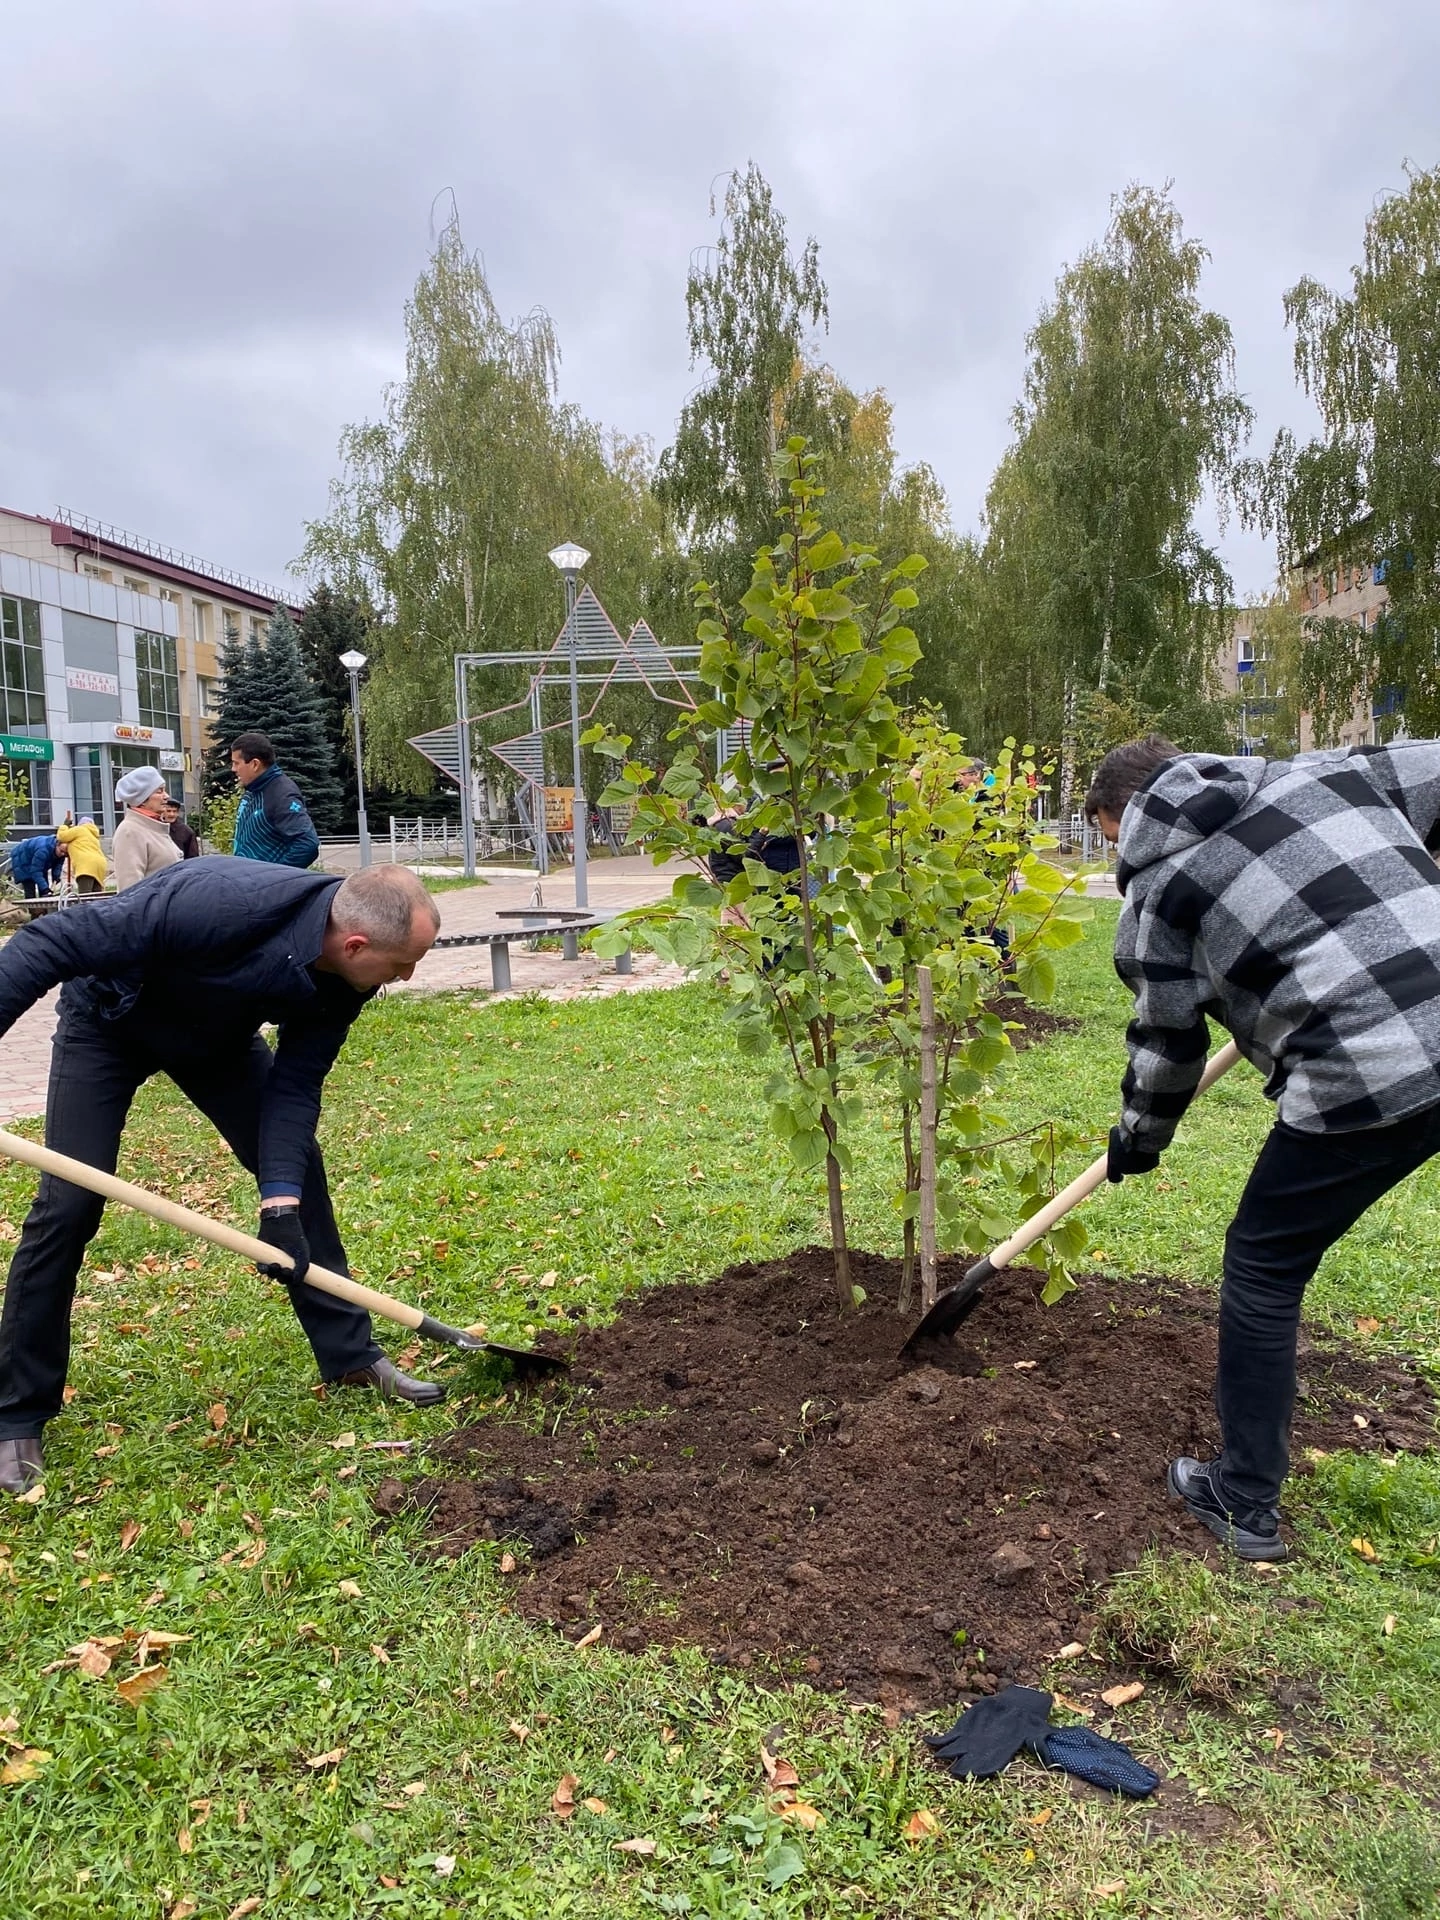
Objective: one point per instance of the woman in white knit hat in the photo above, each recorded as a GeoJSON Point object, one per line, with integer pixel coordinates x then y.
{"type": "Point", "coordinates": [142, 843]}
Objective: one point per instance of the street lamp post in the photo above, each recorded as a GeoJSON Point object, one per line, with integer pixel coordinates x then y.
{"type": "Point", "coordinates": [352, 663]}
{"type": "Point", "coordinates": [570, 559]}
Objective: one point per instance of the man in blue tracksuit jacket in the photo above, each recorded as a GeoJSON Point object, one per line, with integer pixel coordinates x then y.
{"type": "Point", "coordinates": [272, 823]}
{"type": "Point", "coordinates": [37, 863]}
{"type": "Point", "coordinates": [177, 976]}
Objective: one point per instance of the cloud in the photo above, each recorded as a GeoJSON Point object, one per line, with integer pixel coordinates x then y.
{"type": "Point", "coordinates": [216, 215]}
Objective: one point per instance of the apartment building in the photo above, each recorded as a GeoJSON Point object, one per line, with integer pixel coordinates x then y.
{"type": "Point", "coordinates": [1355, 594]}
{"type": "Point", "coordinates": [109, 659]}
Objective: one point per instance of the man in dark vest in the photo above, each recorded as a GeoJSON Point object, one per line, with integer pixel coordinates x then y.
{"type": "Point", "coordinates": [178, 976]}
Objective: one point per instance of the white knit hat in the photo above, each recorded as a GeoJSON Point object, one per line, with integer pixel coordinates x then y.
{"type": "Point", "coordinates": [133, 789]}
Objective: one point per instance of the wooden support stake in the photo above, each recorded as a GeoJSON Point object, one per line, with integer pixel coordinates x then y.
{"type": "Point", "coordinates": [928, 1122]}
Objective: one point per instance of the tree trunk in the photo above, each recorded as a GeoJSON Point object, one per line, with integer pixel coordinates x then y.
{"type": "Point", "coordinates": [1066, 800]}
{"type": "Point", "coordinates": [912, 1185]}
{"type": "Point", "coordinates": [844, 1291]}
{"type": "Point", "coordinates": [928, 1122]}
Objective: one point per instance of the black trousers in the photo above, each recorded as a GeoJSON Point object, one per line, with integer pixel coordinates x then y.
{"type": "Point", "coordinates": [1305, 1191]}
{"type": "Point", "coordinates": [93, 1079]}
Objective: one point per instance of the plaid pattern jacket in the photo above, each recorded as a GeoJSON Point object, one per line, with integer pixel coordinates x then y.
{"type": "Point", "coordinates": [1297, 903]}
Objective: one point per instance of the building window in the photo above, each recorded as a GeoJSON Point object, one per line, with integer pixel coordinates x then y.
{"type": "Point", "coordinates": [22, 668]}
{"type": "Point", "coordinates": [168, 593]}
{"type": "Point", "coordinates": [232, 629]}
{"type": "Point", "coordinates": [85, 771]}
{"type": "Point", "coordinates": [1246, 652]}
{"type": "Point", "coordinates": [95, 573]}
{"type": "Point", "coordinates": [135, 586]}
{"type": "Point", "coordinates": [158, 680]}
{"type": "Point", "coordinates": [201, 617]}
{"type": "Point", "coordinates": [257, 629]}
{"type": "Point", "coordinates": [209, 691]}
{"type": "Point", "coordinates": [35, 811]}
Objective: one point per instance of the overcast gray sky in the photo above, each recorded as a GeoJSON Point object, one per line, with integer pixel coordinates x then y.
{"type": "Point", "coordinates": [213, 216]}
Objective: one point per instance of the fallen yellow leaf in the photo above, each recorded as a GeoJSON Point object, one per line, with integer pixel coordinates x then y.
{"type": "Point", "coordinates": [24, 1766]}
{"type": "Point", "coordinates": [1121, 1696]}
{"type": "Point", "coordinates": [377, 1652]}
{"type": "Point", "coordinates": [520, 1731]}
{"type": "Point", "coordinates": [343, 1440]}
{"type": "Point", "coordinates": [635, 1846]}
{"type": "Point", "coordinates": [1071, 1650]}
{"type": "Point", "coordinates": [1389, 1624]}
{"type": "Point", "coordinates": [183, 1909]}
{"type": "Point", "coordinates": [413, 1789]}
{"type": "Point", "coordinates": [252, 1905]}
{"type": "Point", "coordinates": [141, 1685]}
{"type": "Point", "coordinates": [218, 1415]}
{"type": "Point", "coordinates": [507, 1563]}
{"type": "Point", "coordinates": [803, 1814]}
{"type": "Point", "coordinates": [350, 1590]}
{"type": "Point", "coordinates": [922, 1825]}
{"type": "Point", "coordinates": [184, 1841]}
{"type": "Point", "coordinates": [1043, 1817]}
{"type": "Point", "coordinates": [330, 1759]}
{"type": "Point", "coordinates": [589, 1639]}
{"type": "Point", "coordinates": [33, 1497]}
{"type": "Point", "coordinates": [562, 1801]}
{"type": "Point", "coordinates": [1364, 1549]}
{"type": "Point", "coordinates": [1107, 1887]}
{"type": "Point", "coordinates": [593, 1805]}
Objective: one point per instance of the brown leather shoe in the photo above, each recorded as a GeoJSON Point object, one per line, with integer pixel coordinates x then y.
{"type": "Point", "coordinates": [21, 1464]}
{"type": "Point", "coordinates": [391, 1384]}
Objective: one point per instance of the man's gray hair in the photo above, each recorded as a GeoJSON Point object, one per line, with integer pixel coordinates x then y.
{"type": "Point", "coordinates": [382, 903]}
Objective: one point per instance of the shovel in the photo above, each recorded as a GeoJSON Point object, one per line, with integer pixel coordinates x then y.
{"type": "Point", "coordinates": [961, 1300]}
{"type": "Point", "coordinates": [79, 1174]}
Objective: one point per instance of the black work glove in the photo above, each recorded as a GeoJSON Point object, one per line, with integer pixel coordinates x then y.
{"type": "Point", "coordinates": [282, 1229]}
{"type": "Point", "coordinates": [1126, 1158]}
{"type": "Point", "coordinates": [1104, 1763]}
{"type": "Point", "coordinates": [988, 1735]}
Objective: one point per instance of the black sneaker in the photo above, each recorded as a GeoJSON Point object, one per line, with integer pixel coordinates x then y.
{"type": "Point", "coordinates": [1250, 1536]}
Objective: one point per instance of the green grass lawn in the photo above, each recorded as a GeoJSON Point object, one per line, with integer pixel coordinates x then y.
{"type": "Point", "coordinates": [498, 1163]}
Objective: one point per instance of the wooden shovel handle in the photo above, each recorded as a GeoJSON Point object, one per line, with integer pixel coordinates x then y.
{"type": "Point", "coordinates": [1086, 1183]}
{"type": "Point", "coordinates": [79, 1174]}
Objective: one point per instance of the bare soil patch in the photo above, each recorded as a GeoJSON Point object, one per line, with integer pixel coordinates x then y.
{"type": "Point", "coordinates": [733, 1467]}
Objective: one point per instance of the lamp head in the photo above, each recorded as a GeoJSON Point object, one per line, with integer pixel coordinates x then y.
{"type": "Point", "coordinates": [568, 557]}
{"type": "Point", "coordinates": [352, 661]}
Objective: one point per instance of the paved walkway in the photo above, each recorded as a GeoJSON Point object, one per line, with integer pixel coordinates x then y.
{"type": "Point", "coordinates": [630, 881]}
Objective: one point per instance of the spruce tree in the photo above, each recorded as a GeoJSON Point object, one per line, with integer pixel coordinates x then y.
{"type": "Point", "coordinates": [284, 705]}
{"type": "Point", "coordinates": [331, 624]}
{"type": "Point", "coordinates": [239, 664]}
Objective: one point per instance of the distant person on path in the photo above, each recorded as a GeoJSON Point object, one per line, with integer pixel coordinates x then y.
{"type": "Point", "coordinates": [181, 832]}
{"type": "Point", "coordinates": [272, 823]}
{"type": "Point", "coordinates": [83, 850]}
{"type": "Point", "coordinates": [37, 863]}
{"type": "Point", "coordinates": [142, 843]}
{"type": "Point", "coordinates": [1296, 902]}
{"type": "Point", "coordinates": [177, 977]}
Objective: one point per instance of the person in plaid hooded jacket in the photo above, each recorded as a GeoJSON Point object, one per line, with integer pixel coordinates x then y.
{"type": "Point", "coordinates": [1297, 904]}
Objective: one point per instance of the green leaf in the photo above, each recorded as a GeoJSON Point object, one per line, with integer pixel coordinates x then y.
{"type": "Point", "coordinates": [782, 1863]}
{"type": "Point", "coordinates": [827, 551]}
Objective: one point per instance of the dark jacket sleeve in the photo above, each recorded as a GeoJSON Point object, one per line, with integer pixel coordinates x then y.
{"type": "Point", "coordinates": [290, 822]}
{"type": "Point", "coordinates": [1168, 1038]}
{"type": "Point", "coordinates": [107, 938]}
{"type": "Point", "coordinates": [305, 1053]}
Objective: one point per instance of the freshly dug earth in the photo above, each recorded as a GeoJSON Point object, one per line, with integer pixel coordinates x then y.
{"type": "Point", "coordinates": [733, 1466]}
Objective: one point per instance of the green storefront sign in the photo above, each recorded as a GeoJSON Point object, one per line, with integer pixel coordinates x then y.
{"type": "Point", "coordinates": [15, 746]}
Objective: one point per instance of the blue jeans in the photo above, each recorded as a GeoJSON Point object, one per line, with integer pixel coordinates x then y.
{"type": "Point", "coordinates": [1305, 1191]}
{"type": "Point", "coordinates": [93, 1079]}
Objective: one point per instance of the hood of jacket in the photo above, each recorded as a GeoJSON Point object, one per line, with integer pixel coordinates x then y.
{"type": "Point", "coordinates": [1184, 803]}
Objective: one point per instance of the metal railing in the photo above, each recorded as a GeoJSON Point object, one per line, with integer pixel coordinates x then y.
{"type": "Point", "coordinates": [413, 839]}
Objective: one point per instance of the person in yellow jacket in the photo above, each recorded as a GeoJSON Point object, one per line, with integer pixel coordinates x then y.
{"type": "Point", "coordinates": [82, 848]}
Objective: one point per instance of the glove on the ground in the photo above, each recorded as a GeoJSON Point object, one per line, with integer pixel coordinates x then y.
{"type": "Point", "coordinates": [1104, 1763]}
{"type": "Point", "coordinates": [1126, 1159]}
{"type": "Point", "coordinates": [987, 1736]}
{"type": "Point", "coordinates": [283, 1230]}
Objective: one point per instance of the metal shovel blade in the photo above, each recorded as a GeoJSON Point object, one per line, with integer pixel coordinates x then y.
{"type": "Point", "coordinates": [524, 1359]}
{"type": "Point", "coordinates": [951, 1307]}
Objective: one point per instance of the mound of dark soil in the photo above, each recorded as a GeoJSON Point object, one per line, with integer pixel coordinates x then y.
{"type": "Point", "coordinates": [734, 1467]}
